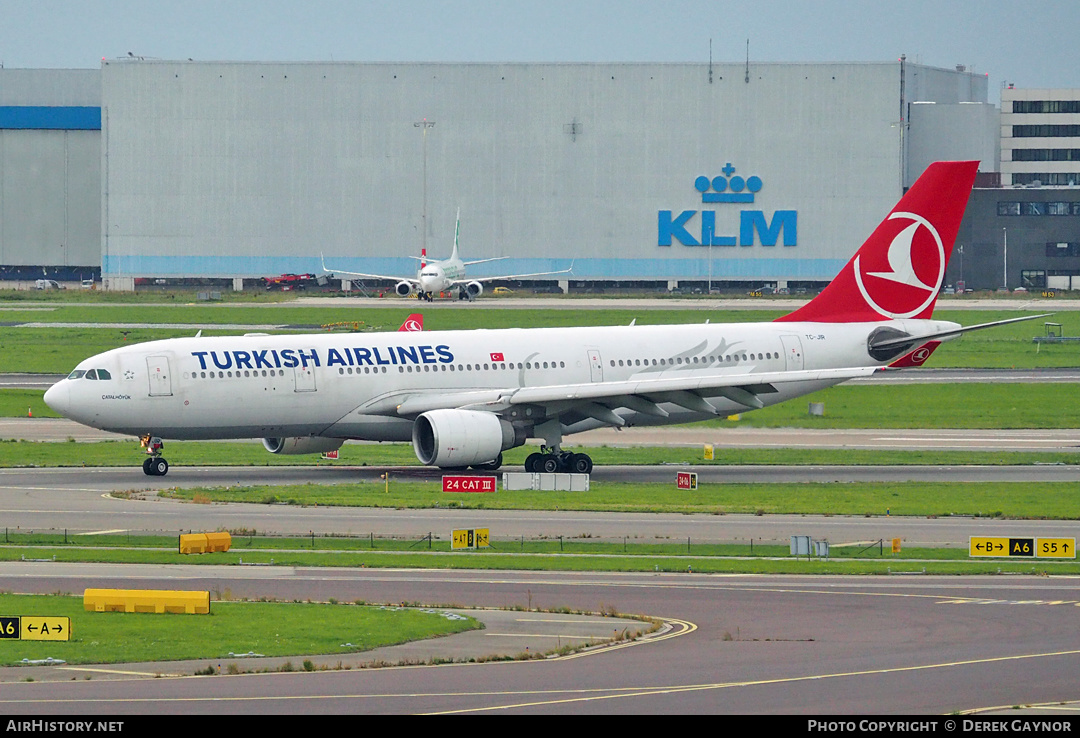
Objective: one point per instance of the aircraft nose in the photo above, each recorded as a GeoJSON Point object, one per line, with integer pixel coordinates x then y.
{"type": "Point", "coordinates": [58, 397]}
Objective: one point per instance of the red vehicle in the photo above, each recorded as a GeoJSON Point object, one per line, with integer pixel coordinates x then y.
{"type": "Point", "coordinates": [290, 282]}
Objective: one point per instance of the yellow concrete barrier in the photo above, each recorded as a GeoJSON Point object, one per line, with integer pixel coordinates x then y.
{"type": "Point", "coordinates": [193, 543]}
{"type": "Point", "coordinates": [146, 600]}
{"type": "Point", "coordinates": [197, 543]}
{"type": "Point", "coordinates": [218, 542]}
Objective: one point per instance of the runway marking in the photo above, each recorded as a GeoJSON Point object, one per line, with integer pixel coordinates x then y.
{"type": "Point", "coordinates": [995, 440]}
{"type": "Point", "coordinates": [980, 601]}
{"type": "Point", "coordinates": [544, 635]}
{"type": "Point", "coordinates": [548, 620]}
{"type": "Point", "coordinates": [590, 694]}
{"type": "Point", "coordinates": [52, 489]}
{"type": "Point", "coordinates": [1058, 706]}
{"type": "Point", "coordinates": [647, 692]}
{"type": "Point", "coordinates": [683, 627]}
{"type": "Point", "coordinates": [117, 671]}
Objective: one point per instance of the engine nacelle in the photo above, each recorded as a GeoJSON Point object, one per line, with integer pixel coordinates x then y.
{"type": "Point", "coordinates": [474, 289]}
{"type": "Point", "coordinates": [302, 445]}
{"type": "Point", "coordinates": [404, 289]}
{"type": "Point", "coordinates": [462, 437]}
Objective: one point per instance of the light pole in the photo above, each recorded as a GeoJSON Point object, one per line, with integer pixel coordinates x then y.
{"type": "Point", "coordinates": [709, 291]}
{"type": "Point", "coordinates": [424, 125]}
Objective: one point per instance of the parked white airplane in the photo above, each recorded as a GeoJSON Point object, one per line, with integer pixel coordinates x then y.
{"type": "Point", "coordinates": [464, 397]}
{"type": "Point", "coordinates": [446, 275]}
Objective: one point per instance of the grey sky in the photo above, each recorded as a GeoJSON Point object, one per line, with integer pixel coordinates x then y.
{"type": "Point", "coordinates": [1032, 44]}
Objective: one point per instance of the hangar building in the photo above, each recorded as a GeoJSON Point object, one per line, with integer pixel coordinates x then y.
{"type": "Point", "coordinates": [50, 174]}
{"type": "Point", "coordinates": [741, 174]}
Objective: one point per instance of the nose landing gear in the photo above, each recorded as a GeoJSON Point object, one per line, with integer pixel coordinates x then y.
{"type": "Point", "coordinates": [156, 465]}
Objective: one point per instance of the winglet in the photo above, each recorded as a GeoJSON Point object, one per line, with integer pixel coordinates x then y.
{"type": "Point", "coordinates": [899, 270]}
{"type": "Point", "coordinates": [916, 357]}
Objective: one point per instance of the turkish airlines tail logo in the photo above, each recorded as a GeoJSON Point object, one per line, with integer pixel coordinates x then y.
{"type": "Point", "coordinates": [899, 270]}
{"type": "Point", "coordinates": [902, 269]}
{"type": "Point", "coordinates": [414, 322]}
{"type": "Point", "coordinates": [916, 268]}
{"type": "Point", "coordinates": [917, 357]}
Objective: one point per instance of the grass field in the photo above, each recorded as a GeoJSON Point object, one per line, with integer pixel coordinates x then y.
{"type": "Point", "coordinates": [567, 555]}
{"type": "Point", "coordinates": [1056, 501]}
{"type": "Point", "coordinates": [267, 628]}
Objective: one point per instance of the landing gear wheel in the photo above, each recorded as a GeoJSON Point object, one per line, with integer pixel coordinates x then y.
{"type": "Point", "coordinates": [532, 463]}
{"type": "Point", "coordinates": [549, 464]}
{"type": "Point", "coordinates": [155, 467]}
{"type": "Point", "coordinates": [580, 464]}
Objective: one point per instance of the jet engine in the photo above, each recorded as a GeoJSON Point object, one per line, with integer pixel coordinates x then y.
{"type": "Point", "coordinates": [474, 289]}
{"type": "Point", "coordinates": [462, 437]}
{"type": "Point", "coordinates": [302, 445]}
{"type": "Point", "coordinates": [404, 289]}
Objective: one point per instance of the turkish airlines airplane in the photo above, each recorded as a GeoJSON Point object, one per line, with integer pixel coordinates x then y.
{"type": "Point", "coordinates": [464, 397]}
{"type": "Point", "coordinates": [446, 275]}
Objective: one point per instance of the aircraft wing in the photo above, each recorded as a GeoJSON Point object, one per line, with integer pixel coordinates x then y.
{"type": "Point", "coordinates": [599, 399]}
{"type": "Point", "coordinates": [500, 277]}
{"type": "Point", "coordinates": [411, 280]}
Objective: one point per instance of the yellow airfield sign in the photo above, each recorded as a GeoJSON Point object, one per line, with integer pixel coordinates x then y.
{"type": "Point", "coordinates": [1002, 547]}
{"type": "Point", "coordinates": [36, 628]}
{"type": "Point", "coordinates": [469, 538]}
{"type": "Point", "coordinates": [1055, 548]}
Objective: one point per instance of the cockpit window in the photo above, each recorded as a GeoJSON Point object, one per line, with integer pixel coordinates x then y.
{"type": "Point", "coordinates": [90, 374]}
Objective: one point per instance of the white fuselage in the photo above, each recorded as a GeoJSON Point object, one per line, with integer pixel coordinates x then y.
{"type": "Point", "coordinates": [439, 276]}
{"type": "Point", "coordinates": [360, 386]}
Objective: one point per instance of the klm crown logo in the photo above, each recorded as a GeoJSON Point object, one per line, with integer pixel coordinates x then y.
{"type": "Point", "coordinates": [728, 188]}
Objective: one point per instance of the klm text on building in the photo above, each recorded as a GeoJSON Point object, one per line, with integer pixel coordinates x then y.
{"type": "Point", "coordinates": [728, 189]}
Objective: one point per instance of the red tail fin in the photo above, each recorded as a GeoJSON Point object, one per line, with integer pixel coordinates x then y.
{"type": "Point", "coordinates": [414, 322]}
{"type": "Point", "coordinates": [898, 271]}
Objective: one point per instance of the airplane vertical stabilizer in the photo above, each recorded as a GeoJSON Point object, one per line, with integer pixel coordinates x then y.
{"type": "Point", "coordinates": [899, 270]}
{"type": "Point", "coordinates": [457, 230]}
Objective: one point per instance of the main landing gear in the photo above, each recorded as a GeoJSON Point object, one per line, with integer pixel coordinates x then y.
{"type": "Point", "coordinates": [155, 465]}
{"type": "Point", "coordinates": [554, 460]}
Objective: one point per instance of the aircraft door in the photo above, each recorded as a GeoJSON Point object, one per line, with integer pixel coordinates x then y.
{"type": "Point", "coordinates": [160, 377]}
{"type": "Point", "coordinates": [793, 353]}
{"type": "Point", "coordinates": [305, 378]}
{"type": "Point", "coordinates": [596, 366]}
